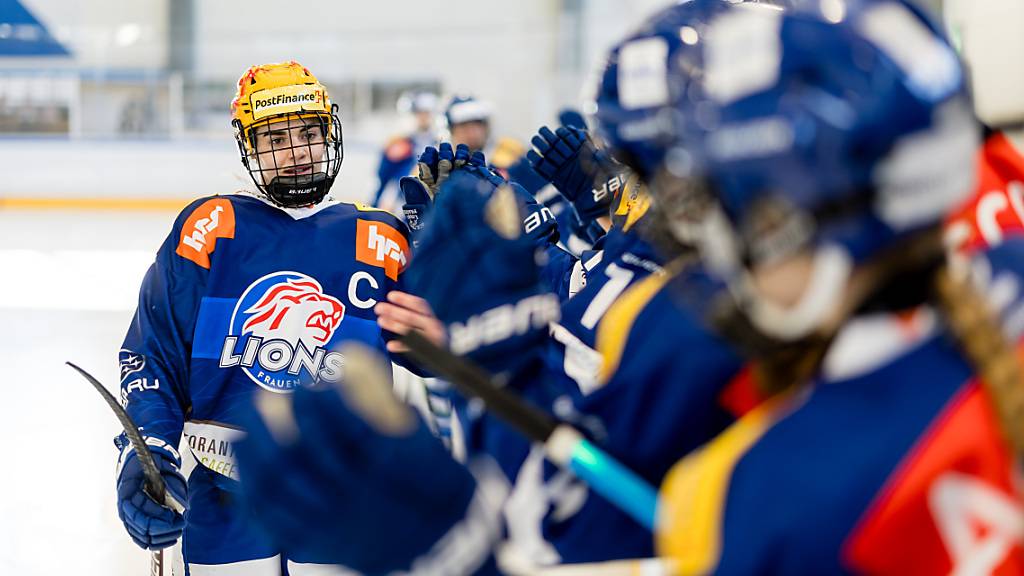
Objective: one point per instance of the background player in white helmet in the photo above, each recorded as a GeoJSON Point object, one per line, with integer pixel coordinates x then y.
{"type": "Point", "coordinates": [469, 122]}
{"type": "Point", "coordinates": [249, 291]}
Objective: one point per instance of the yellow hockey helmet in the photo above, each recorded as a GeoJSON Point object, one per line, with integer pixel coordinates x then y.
{"type": "Point", "coordinates": [273, 93]}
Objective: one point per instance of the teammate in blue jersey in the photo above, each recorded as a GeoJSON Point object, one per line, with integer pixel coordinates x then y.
{"type": "Point", "coordinates": [399, 156]}
{"type": "Point", "coordinates": [893, 442]}
{"type": "Point", "coordinates": [250, 291]}
{"type": "Point", "coordinates": [566, 371]}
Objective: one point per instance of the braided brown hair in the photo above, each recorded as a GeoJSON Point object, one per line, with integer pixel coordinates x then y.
{"type": "Point", "coordinates": [981, 339]}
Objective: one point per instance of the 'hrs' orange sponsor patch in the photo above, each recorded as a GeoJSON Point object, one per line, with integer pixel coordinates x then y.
{"type": "Point", "coordinates": [213, 219]}
{"type": "Point", "coordinates": [381, 245]}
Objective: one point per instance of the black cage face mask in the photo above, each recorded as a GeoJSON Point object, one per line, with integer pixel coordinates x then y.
{"type": "Point", "coordinates": [294, 161]}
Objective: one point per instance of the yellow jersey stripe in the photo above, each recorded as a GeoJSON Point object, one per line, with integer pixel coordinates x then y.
{"type": "Point", "coordinates": [693, 494]}
{"type": "Point", "coordinates": [613, 329]}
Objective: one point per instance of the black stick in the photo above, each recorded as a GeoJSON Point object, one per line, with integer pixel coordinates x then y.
{"type": "Point", "coordinates": [154, 484]}
{"type": "Point", "coordinates": [472, 381]}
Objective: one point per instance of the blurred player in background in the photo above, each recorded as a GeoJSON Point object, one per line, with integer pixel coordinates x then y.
{"type": "Point", "coordinates": [399, 156]}
{"type": "Point", "coordinates": [252, 290]}
{"type": "Point", "coordinates": [469, 122]}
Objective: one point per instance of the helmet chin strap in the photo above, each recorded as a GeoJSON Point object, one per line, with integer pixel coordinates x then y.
{"type": "Point", "coordinates": [297, 191]}
{"type": "Point", "coordinates": [821, 299]}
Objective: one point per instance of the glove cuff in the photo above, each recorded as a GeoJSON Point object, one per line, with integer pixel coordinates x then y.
{"type": "Point", "coordinates": [157, 446]}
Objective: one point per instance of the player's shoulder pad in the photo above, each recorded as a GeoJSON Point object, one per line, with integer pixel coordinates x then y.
{"type": "Point", "coordinates": [694, 494]}
{"type": "Point", "coordinates": [200, 225]}
{"type": "Point", "coordinates": [368, 212]}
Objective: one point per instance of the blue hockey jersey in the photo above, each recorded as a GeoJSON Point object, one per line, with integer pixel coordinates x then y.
{"type": "Point", "coordinates": [246, 296]}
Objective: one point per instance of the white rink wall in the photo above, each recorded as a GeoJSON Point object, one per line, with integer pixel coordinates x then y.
{"type": "Point", "coordinates": [150, 169]}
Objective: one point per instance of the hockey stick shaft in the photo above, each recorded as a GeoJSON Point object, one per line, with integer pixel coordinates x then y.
{"type": "Point", "coordinates": [563, 444]}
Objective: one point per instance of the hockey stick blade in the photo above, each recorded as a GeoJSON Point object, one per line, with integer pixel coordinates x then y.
{"type": "Point", "coordinates": [154, 485]}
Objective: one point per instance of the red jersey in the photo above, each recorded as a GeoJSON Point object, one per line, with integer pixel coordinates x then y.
{"type": "Point", "coordinates": [997, 209]}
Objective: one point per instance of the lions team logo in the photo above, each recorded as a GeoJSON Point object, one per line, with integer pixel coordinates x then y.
{"type": "Point", "coordinates": [280, 332]}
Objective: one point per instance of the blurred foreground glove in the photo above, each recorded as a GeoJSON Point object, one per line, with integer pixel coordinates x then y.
{"type": "Point", "coordinates": [151, 525]}
{"type": "Point", "coordinates": [348, 475]}
{"type": "Point", "coordinates": [478, 267]}
{"type": "Point", "coordinates": [433, 167]}
{"type": "Point", "coordinates": [569, 160]}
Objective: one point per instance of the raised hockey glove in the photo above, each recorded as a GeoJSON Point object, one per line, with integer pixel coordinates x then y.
{"type": "Point", "coordinates": [568, 159]}
{"type": "Point", "coordinates": [151, 525]}
{"type": "Point", "coordinates": [479, 268]}
{"type": "Point", "coordinates": [433, 168]}
{"type": "Point", "coordinates": [368, 486]}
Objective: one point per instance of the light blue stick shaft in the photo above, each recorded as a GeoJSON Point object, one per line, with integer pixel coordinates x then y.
{"type": "Point", "coordinates": [615, 482]}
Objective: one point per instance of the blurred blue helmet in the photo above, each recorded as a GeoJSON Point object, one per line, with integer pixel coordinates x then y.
{"type": "Point", "coordinates": [842, 126]}
{"type": "Point", "coordinates": [462, 109]}
{"type": "Point", "coordinates": [646, 81]}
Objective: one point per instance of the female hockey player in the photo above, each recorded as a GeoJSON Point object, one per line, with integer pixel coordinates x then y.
{"type": "Point", "coordinates": [835, 151]}
{"type": "Point", "coordinates": [250, 291]}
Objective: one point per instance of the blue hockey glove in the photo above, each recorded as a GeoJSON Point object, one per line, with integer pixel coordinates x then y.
{"type": "Point", "coordinates": [569, 160]}
{"type": "Point", "coordinates": [433, 167]}
{"type": "Point", "coordinates": [477, 266]}
{"type": "Point", "coordinates": [348, 475]}
{"type": "Point", "coordinates": [152, 526]}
